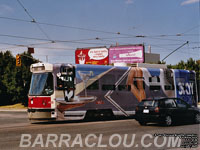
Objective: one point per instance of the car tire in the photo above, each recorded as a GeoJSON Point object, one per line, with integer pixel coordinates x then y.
{"type": "Point", "coordinates": [197, 118]}
{"type": "Point", "coordinates": [142, 123]}
{"type": "Point", "coordinates": [168, 120]}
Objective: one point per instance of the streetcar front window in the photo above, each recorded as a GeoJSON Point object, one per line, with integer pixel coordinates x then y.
{"type": "Point", "coordinates": [41, 84]}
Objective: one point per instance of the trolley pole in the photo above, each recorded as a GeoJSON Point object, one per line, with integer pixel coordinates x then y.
{"type": "Point", "coordinates": [175, 50]}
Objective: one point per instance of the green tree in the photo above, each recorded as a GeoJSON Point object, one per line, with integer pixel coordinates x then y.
{"type": "Point", "coordinates": [14, 81]}
{"type": "Point", "coordinates": [191, 64]}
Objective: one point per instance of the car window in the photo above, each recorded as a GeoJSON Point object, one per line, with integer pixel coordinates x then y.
{"type": "Point", "coordinates": [156, 103]}
{"type": "Point", "coordinates": [147, 103]}
{"type": "Point", "coordinates": [181, 103]}
{"type": "Point", "coordinates": [169, 103]}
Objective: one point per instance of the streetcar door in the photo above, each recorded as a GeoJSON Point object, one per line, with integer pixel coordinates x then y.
{"type": "Point", "coordinates": [66, 81]}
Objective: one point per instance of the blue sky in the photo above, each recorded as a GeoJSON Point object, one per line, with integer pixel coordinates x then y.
{"type": "Point", "coordinates": [160, 21]}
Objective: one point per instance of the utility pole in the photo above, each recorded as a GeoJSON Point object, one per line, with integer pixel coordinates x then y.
{"type": "Point", "coordinates": [175, 50]}
{"type": "Point", "coordinates": [46, 58]}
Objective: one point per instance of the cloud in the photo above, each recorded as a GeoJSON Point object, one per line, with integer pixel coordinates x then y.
{"type": "Point", "coordinates": [5, 9]}
{"type": "Point", "coordinates": [187, 2]}
{"type": "Point", "coordinates": [129, 1]}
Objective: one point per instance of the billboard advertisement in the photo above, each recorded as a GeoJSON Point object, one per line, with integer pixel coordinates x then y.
{"type": "Point", "coordinates": [126, 54]}
{"type": "Point", "coordinates": [94, 56]}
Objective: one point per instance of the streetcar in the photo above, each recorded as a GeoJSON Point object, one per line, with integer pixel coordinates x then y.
{"type": "Point", "coordinates": [76, 92]}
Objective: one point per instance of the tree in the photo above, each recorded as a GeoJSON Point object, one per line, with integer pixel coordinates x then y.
{"type": "Point", "coordinates": [14, 81]}
{"type": "Point", "coordinates": [189, 65]}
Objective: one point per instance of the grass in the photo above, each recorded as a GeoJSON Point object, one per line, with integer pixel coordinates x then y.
{"type": "Point", "coordinates": [15, 106]}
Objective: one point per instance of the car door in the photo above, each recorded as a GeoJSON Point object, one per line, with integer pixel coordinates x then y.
{"type": "Point", "coordinates": [182, 110]}
{"type": "Point", "coordinates": [171, 108]}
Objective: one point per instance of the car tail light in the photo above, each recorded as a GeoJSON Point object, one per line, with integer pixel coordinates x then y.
{"type": "Point", "coordinates": [136, 109]}
{"type": "Point", "coordinates": [156, 110]}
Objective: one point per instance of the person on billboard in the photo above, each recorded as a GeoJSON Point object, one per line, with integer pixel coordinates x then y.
{"type": "Point", "coordinates": [136, 81]}
{"type": "Point", "coordinates": [168, 83]}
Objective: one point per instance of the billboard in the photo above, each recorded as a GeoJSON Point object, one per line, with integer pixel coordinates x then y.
{"type": "Point", "coordinates": [95, 56]}
{"type": "Point", "coordinates": [126, 54]}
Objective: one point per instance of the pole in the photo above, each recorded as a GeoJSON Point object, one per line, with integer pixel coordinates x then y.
{"type": "Point", "coordinates": [46, 58]}
{"type": "Point", "coordinates": [175, 50]}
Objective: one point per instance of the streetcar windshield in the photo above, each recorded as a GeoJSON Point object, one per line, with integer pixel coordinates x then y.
{"type": "Point", "coordinates": [41, 84]}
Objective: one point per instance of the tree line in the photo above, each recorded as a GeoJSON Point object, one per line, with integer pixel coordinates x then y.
{"type": "Point", "coordinates": [190, 64]}
{"type": "Point", "coordinates": [15, 81]}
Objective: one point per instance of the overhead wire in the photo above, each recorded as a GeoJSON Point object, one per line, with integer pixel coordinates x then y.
{"type": "Point", "coordinates": [80, 28]}
{"type": "Point", "coordinates": [20, 45]}
{"type": "Point", "coordinates": [58, 25]}
{"type": "Point", "coordinates": [58, 41]}
{"type": "Point", "coordinates": [71, 41]}
{"type": "Point", "coordinates": [190, 29]}
{"type": "Point", "coordinates": [75, 41]}
{"type": "Point", "coordinates": [153, 37]}
{"type": "Point", "coordinates": [101, 31]}
{"type": "Point", "coordinates": [33, 20]}
{"type": "Point", "coordinates": [72, 49]}
{"type": "Point", "coordinates": [167, 50]}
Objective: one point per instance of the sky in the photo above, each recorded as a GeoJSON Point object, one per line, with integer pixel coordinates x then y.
{"type": "Point", "coordinates": [56, 28]}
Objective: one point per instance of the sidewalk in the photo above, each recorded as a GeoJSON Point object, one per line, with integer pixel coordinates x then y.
{"type": "Point", "coordinates": [13, 110]}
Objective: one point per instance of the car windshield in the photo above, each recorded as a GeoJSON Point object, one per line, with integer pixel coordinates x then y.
{"type": "Point", "coordinates": [148, 103]}
{"type": "Point", "coordinates": [41, 84]}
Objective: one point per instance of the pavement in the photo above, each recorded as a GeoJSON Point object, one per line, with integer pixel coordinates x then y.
{"type": "Point", "coordinates": [84, 135]}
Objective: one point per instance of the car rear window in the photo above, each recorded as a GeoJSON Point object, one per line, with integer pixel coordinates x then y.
{"type": "Point", "coordinates": [148, 103]}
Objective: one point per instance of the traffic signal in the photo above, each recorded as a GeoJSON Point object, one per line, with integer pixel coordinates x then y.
{"type": "Point", "coordinates": [18, 60]}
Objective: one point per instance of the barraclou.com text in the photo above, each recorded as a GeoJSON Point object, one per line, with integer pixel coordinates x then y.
{"type": "Point", "coordinates": [97, 140]}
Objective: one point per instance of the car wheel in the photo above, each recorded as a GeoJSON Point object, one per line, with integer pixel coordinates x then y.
{"type": "Point", "coordinates": [142, 123]}
{"type": "Point", "coordinates": [168, 120]}
{"type": "Point", "coordinates": [197, 118]}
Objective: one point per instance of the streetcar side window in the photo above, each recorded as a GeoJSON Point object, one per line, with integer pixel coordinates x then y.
{"type": "Point", "coordinates": [108, 80]}
{"type": "Point", "coordinates": [154, 87]}
{"type": "Point", "coordinates": [154, 79]}
{"type": "Point", "coordinates": [108, 87]}
{"type": "Point", "coordinates": [94, 86]}
{"type": "Point", "coordinates": [124, 87]}
{"type": "Point", "coordinates": [169, 87]}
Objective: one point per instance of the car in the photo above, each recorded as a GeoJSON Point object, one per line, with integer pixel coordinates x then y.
{"type": "Point", "coordinates": [166, 111]}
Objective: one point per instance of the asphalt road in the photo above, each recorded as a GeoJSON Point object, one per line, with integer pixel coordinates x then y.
{"type": "Point", "coordinates": [17, 133]}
